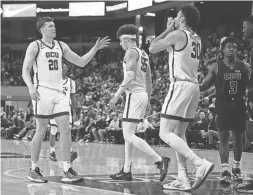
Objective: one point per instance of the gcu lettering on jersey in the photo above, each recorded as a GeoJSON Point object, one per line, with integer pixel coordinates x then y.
{"type": "Point", "coordinates": [52, 54]}
{"type": "Point", "coordinates": [232, 76]}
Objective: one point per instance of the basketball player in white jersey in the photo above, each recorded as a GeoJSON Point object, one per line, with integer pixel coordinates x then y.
{"type": "Point", "coordinates": [181, 102]}
{"type": "Point", "coordinates": [69, 89]}
{"type": "Point", "coordinates": [45, 56]}
{"type": "Point", "coordinates": [137, 84]}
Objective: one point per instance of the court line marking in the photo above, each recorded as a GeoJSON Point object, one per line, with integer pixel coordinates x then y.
{"type": "Point", "coordinates": [85, 187]}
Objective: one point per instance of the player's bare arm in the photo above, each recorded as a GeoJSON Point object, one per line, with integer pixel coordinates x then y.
{"type": "Point", "coordinates": [176, 38]}
{"type": "Point", "coordinates": [248, 69]}
{"type": "Point", "coordinates": [30, 56]}
{"type": "Point", "coordinates": [131, 58]}
{"type": "Point", "coordinates": [149, 83]}
{"type": "Point", "coordinates": [209, 78]}
{"type": "Point", "coordinates": [74, 105]}
{"type": "Point", "coordinates": [85, 59]}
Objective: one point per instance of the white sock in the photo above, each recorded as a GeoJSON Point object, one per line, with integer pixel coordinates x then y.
{"type": "Point", "coordinates": [236, 164]}
{"type": "Point", "coordinates": [196, 160]}
{"type": "Point", "coordinates": [128, 156]}
{"type": "Point", "coordinates": [52, 149]}
{"type": "Point", "coordinates": [181, 146]}
{"type": "Point", "coordinates": [182, 166]}
{"type": "Point", "coordinates": [66, 166]}
{"type": "Point", "coordinates": [224, 167]}
{"type": "Point", "coordinates": [71, 149]}
{"type": "Point", "coordinates": [34, 164]}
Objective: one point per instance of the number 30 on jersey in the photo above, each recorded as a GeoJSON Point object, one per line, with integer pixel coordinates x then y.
{"type": "Point", "coordinates": [196, 50]}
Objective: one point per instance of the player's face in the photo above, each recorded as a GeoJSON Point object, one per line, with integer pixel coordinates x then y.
{"type": "Point", "coordinates": [230, 50]}
{"type": "Point", "coordinates": [178, 19]}
{"type": "Point", "coordinates": [64, 69]}
{"type": "Point", "coordinates": [49, 29]}
{"type": "Point", "coordinates": [247, 30]}
{"type": "Point", "coordinates": [123, 43]}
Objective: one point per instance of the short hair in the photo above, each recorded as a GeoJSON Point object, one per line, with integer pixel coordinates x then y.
{"type": "Point", "coordinates": [41, 21]}
{"type": "Point", "coordinates": [249, 19]}
{"type": "Point", "coordinates": [191, 14]}
{"type": "Point", "coordinates": [229, 40]}
{"type": "Point", "coordinates": [127, 29]}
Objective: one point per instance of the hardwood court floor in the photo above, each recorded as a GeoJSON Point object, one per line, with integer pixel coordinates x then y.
{"type": "Point", "coordinates": [95, 163]}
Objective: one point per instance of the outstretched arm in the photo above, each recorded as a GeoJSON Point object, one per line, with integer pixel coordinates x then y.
{"type": "Point", "coordinates": [209, 78]}
{"type": "Point", "coordinates": [85, 59]}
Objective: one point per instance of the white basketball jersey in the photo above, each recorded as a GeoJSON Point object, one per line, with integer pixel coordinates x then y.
{"type": "Point", "coordinates": [183, 64]}
{"type": "Point", "coordinates": [48, 66]}
{"type": "Point", "coordinates": [69, 86]}
{"type": "Point", "coordinates": [138, 84]}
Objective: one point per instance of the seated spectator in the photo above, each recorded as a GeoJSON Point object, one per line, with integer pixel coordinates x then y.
{"type": "Point", "coordinates": [28, 126]}
{"type": "Point", "coordinates": [196, 129]}
{"type": "Point", "coordinates": [32, 129]}
{"type": "Point", "coordinates": [115, 129]}
{"type": "Point", "coordinates": [152, 132]}
{"type": "Point", "coordinates": [212, 132]}
{"type": "Point", "coordinates": [142, 127]}
{"type": "Point", "coordinates": [99, 124]}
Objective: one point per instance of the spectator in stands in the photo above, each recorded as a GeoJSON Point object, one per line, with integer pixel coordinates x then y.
{"type": "Point", "coordinates": [100, 124]}
{"type": "Point", "coordinates": [212, 132]}
{"type": "Point", "coordinates": [111, 129]}
{"type": "Point", "coordinates": [29, 126]}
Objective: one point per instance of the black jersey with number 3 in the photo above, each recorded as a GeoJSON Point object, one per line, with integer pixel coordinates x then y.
{"type": "Point", "coordinates": [231, 81]}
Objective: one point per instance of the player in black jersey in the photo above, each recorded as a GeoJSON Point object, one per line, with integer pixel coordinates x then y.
{"type": "Point", "coordinates": [230, 76]}
{"type": "Point", "coordinates": [247, 187]}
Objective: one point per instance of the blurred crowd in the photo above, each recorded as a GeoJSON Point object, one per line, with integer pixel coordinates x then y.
{"type": "Point", "coordinates": [97, 83]}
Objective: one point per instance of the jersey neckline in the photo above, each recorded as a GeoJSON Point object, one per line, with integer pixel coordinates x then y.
{"type": "Point", "coordinates": [47, 45]}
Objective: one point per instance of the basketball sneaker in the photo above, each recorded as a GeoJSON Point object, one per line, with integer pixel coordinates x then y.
{"type": "Point", "coordinates": [71, 176]}
{"type": "Point", "coordinates": [36, 176]}
{"type": "Point", "coordinates": [237, 174]}
{"type": "Point", "coordinates": [178, 185]}
{"type": "Point", "coordinates": [225, 182]}
{"type": "Point", "coordinates": [73, 156]}
{"type": "Point", "coordinates": [202, 172]}
{"type": "Point", "coordinates": [52, 156]}
{"type": "Point", "coordinates": [122, 175]}
{"type": "Point", "coordinates": [163, 167]}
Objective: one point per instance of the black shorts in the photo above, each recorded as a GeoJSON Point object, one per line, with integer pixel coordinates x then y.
{"type": "Point", "coordinates": [231, 115]}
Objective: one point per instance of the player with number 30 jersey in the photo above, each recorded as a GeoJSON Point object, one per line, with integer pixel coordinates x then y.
{"type": "Point", "coordinates": [181, 102]}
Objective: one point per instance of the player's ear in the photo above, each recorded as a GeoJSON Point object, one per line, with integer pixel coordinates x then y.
{"type": "Point", "coordinates": [182, 19]}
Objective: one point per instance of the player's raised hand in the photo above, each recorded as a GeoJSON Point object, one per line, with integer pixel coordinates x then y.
{"type": "Point", "coordinates": [34, 94]}
{"type": "Point", "coordinates": [170, 23]}
{"type": "Point", "coordinates": [102, 43]}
